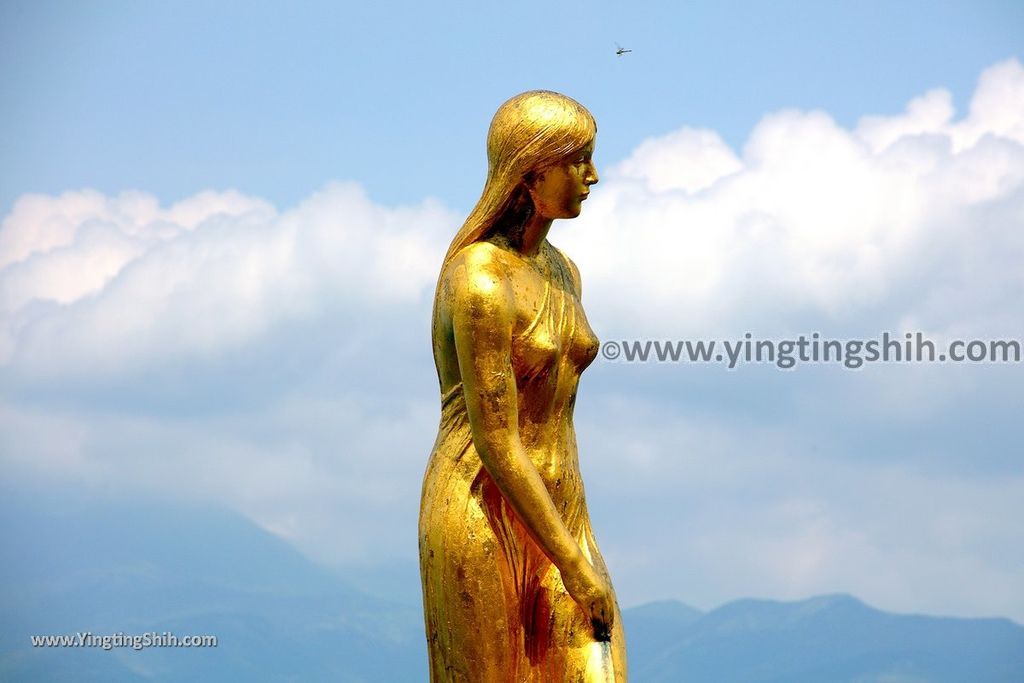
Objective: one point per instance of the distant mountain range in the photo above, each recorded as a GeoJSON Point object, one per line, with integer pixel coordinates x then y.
{"type": "Point", "coordinates": [827, 639]}
{"type": "Point", "coordinates": [72, 564]}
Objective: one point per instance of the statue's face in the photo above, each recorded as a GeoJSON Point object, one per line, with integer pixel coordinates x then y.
{"type": "Point", "coordinates": [558, 191]}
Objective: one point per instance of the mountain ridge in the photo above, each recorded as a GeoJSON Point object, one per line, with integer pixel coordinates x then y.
{"type": "Point", "coordinates": [87, 564]}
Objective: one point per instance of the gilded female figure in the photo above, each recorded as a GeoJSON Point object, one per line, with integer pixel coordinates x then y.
{"type": "Point", "coordinates": [514, 586]}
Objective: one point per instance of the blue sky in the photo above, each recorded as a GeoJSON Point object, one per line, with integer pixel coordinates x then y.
{"type": "Point", "coordinates": [222, 225]}
{"type": "Point", "coordinates": [174, 98]}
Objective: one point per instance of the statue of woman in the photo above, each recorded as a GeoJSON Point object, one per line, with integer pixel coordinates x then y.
{"type": "Point", "coordinates": [514, 587]}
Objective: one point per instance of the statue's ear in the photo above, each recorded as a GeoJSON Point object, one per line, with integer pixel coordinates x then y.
{"type": "Point", "coordinates": [523, 199]}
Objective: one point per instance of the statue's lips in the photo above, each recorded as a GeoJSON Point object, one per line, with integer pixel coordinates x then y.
{"type": "Point", "coordinates": [584, 196]}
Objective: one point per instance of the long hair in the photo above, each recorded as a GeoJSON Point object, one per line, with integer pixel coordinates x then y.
{"type": "Point", "coordinates": [529, 132]}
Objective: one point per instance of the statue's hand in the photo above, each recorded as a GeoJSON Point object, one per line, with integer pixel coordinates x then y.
{"type": "Point", "coordinates": [593, 593]}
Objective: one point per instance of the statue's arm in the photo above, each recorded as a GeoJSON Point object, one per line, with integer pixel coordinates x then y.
{"type": "Point", "coordinates": [482, 314]}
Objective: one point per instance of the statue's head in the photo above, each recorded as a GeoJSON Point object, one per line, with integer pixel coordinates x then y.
{"type": "Point", "coordinates": [529, 133]}
{"type": "Point", "coordinates": [534, 130]}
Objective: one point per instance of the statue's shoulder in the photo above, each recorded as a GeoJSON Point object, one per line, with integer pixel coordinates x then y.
{"type": "Point", "coordinates": [482, 254]}
{"type": "Point", "coordinates": [479, 269]}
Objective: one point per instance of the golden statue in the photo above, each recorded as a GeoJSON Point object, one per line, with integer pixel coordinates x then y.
{"type": "Point", "coordinates": [514, 587]}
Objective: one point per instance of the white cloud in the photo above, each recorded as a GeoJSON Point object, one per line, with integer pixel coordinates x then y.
{"type": "Point", "coordinates": [930, 113]}
{"type": "Point", "coordinates": [995, 110]}
{"type": "Point", "coordinates": [814, 219]}
{"type": "Point", "coordinates": [688, 159]}
{"type": "Point", "coordinates": [109, 285]}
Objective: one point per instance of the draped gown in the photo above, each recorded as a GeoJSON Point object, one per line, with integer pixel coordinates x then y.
{"type": "Point", "coordinates": [495, 606]}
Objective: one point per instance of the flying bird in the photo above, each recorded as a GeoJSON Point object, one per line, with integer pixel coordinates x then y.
{"type": "Point", "coordinates": [619, 50]}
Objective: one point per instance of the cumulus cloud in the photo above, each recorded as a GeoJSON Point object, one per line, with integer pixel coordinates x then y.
{"type": "Point", "coordinates": [814, 220]}
{"type": "Point", "coordinates": [688, 159]}
{"type": "Point", "coordinates": [98, 285]}
{"type": "Point", "coordinates": [762, 483]}
{"type": "Point", "coordinates": [994, 111]}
